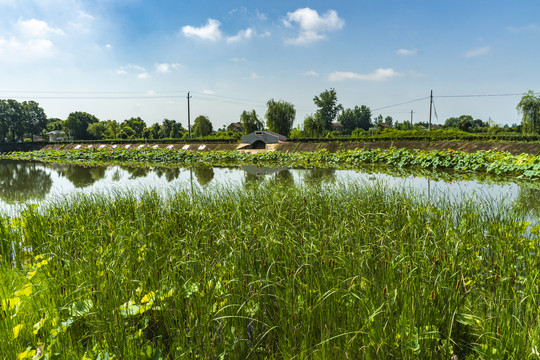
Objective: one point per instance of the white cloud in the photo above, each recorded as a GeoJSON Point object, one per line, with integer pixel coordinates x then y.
{"type": "Point", "coordinates": [242, 35]}
{"type": "Point", "coordinates": [208, 92]}
{"type": "Point", "coordinates": [239, 60]}
{"type": "Point", "coordinates": [31, 47]}
{"type": "Point", "coordinates": [407, 52]}
{"type": "Point", "coordinates": [477, 52]}
{"type": "Point", "coordinates": [312, 25]}
{"type": "Point", "coordinates": [378, 75]}
{"type": "Point", "coordinates": [36, 28]}
{"type": "Point", "coordinates": [210, 31]}
{"type": "Point", "coordinates": [311, 73]}
{"type": "Point", "coordinates": [166, 68]}
{"type": "Point", "coordinates": [254, 76]}
{"type": "Point", "coordinates": [261, 16]}
{"type": "Point", "coordinates": [140, 72]}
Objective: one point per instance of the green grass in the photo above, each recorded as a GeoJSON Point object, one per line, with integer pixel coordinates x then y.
{"type": "Point", "coordinates": [272, 272]}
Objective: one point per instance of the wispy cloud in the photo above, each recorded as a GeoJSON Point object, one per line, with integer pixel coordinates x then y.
{"type": "Point", "coordinates": [377, 75]}
{"type": "Point", "coordinates": [477, 52]}
{"type": "Point", "coordinates": [407, 52]}
{"type": "Point", "coordinates": [37, 28]}
{"type": "Point", "coordinates": [242, 35]}
{"type": "Point", "coordinates": [210, 31]}
{"type": "Point", "coordinates": [525, 28]}
{"type": "Point", "coordinates": [313, 27]}
{"type": "Point", "coordinates": [166, 68]}
{"type": "Point", "coordinates": [311, 73]}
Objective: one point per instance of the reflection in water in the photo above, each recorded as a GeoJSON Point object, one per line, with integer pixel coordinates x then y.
{"type": "Point", "coordinates": [136, 172]}
{"type": "Point", "coordinates": [23, 181]}
{"type": "Point", "coordinates": [169, 173]}
{"type": "Point", "coordinates": [30, 181]}
{"type": "Point", "coordinates": [528, 200]}
{"type": "Point", "coordinates": [319, 176]}
{"type": "Point", "coordinates": [81, 176]}
{"type": "Point", "coordinates": [204, 175]}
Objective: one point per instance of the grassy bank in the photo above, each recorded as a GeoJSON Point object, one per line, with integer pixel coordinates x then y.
{"type": "Point", "coordinates": [269, 273]}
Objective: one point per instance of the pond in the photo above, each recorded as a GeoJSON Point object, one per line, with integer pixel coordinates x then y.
{"type": "Point", "coordinates": [23, 182]}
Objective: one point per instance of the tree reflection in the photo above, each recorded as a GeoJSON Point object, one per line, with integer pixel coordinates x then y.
{"type": "Point", "coordinates": [203, 174]}
{"type": "Point", "coordinates": [81, 176]}
{"type": "Point", "coordinates": [283, 177]}
{"type": "Point", "coordinates": [169, 173]}
{"type": "Point", "coordinates": [22, 181]}
{"type": "Point", "coordinates": [528, 200]}
{"type": "Point", "coordinates": [136, 172]}
{"type": "Point", "coordinates": [319, 176]}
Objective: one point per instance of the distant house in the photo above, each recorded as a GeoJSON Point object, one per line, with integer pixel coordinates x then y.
{"type": "Point", "coordinates": [235, 126]}
{"type": "Point", "coordinates": [56, 135]}
{"type": "Point", "coordinates": [385, 126]}
{"type": "Point", "coordinates": [337, 127]}
{"type": "Point", "coordinates": [259, 139]}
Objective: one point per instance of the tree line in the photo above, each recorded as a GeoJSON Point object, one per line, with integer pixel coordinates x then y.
{"type": "Point", "coordinates": [23, 120]}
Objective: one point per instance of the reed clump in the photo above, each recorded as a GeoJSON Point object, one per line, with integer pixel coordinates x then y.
{"type": "Point", "coordinates": [270, 272]}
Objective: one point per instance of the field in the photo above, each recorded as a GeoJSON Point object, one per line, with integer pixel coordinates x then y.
{"type": "Point", "coordinates": [269, 272]}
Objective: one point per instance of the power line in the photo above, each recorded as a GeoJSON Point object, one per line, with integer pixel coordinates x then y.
{"type": "Point", "coordinates": [403, 103]}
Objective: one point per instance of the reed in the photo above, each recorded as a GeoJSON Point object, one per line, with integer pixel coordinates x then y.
{"type": "Point", "coordinates": [271, 272]}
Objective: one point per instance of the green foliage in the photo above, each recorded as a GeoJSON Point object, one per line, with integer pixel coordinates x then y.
{"type": "Point", "coordinates": [280, 116]}
{"type": "Point", "coordinates": [77, 124]}
{"type": "Point", "coordinates": [202, 126]}
{"type": "Point", "coordinates": [20, 119]}
{"type": "Point", "coordinates": [313, 126]}
{"type": "Point", "coordinates": [277, 271]}
{"type": "Point", "coordinates": [250, 122]}
{"type": "Point", "coordinates": [493, 162]}
{"type": "Point", "coordinates": [357, 118]}
{"type": "Point", "coordinates": [328, 107]}
{"type": "Point", "coordinates": [529, 107]}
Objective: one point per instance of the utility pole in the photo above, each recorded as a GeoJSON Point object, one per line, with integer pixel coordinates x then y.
{"type": "Point", "coordinates": [188, 115]}
{"type": "Point", "coordinates": [430, 106]}
{"type": "Point", "coordinates": [411, 118]}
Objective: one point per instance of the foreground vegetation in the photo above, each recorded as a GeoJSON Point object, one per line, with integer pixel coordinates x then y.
{"type": "Point", "coordinates": [273, 272]}
{"type": "Point", "coordinates": [493, 162]}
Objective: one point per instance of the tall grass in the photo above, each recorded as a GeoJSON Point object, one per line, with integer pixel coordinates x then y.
{"type": "Point", "coordinates": [274, 272]}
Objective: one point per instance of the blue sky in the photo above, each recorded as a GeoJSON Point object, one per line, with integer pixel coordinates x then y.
{"type": "Point", "coordinates": [122, 58]}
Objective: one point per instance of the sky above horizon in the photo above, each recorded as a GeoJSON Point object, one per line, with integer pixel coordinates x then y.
{"type": "Point", "coordinates": [118, 59]}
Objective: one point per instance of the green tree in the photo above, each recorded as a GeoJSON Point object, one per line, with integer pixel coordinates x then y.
{"type": "Point", "coordinates": [364, 117]}
{"type": "Point", "coordinates": [280, 116]}
{"type": "Point", "coordinates": [250, 122]}
{"type": "Point", "coordinates": [97, 130]}
{"type": "Point", "coordinates": [35, 118]}
{"type": "Point", "coordinates": [328, 107]}
{"type": "Point", "coordinates": [113, 130]}
{"type": "Point", "coordinates": [76, 125]}
{"type": "Point", "coordinates": [136, 124]}
{"type": "Point", "coordinates": [313, 126]}
{"type": "Point", "coordinates": [529, 107]}
{"type": "Point", "coordinates": [202, 126]}
{"type": "Point", "coordinates": [154, 131]}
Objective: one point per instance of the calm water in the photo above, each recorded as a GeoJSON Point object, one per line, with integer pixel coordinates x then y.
{"type": "Point", "coordinates": [30, 182]}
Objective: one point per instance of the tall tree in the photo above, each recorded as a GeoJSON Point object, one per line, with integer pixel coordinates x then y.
{"type": "Point", "coordinates": [328, 107]}
{"type": "Point", "coordinates": [77, 125]}
{"type": "Point", "coordinates": [250, 121]}
{"type": "Point", "coordinates": [280, 116]}
{"type": "Point", "coordinates": [364, 116]}
{"type": "Point", "coordinates": [202, 126]}
{"type": "Point", "coordinates": [36, 120]}
{"type": "Point", "coordinates": [529, 107]}
{"type": "Point", "coordinates": [136, 124]}
{"type": "Point", "coordinates": [313, 126]}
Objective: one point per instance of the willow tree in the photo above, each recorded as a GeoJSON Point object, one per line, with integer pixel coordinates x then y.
{"type": "Point", "coordinates": [280, 116]}
{"type": "Point", "coordinates": [529, 107]}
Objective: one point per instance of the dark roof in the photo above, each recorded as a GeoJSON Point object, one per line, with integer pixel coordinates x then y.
{"type": "Point", "coordinates": [268, 137]}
